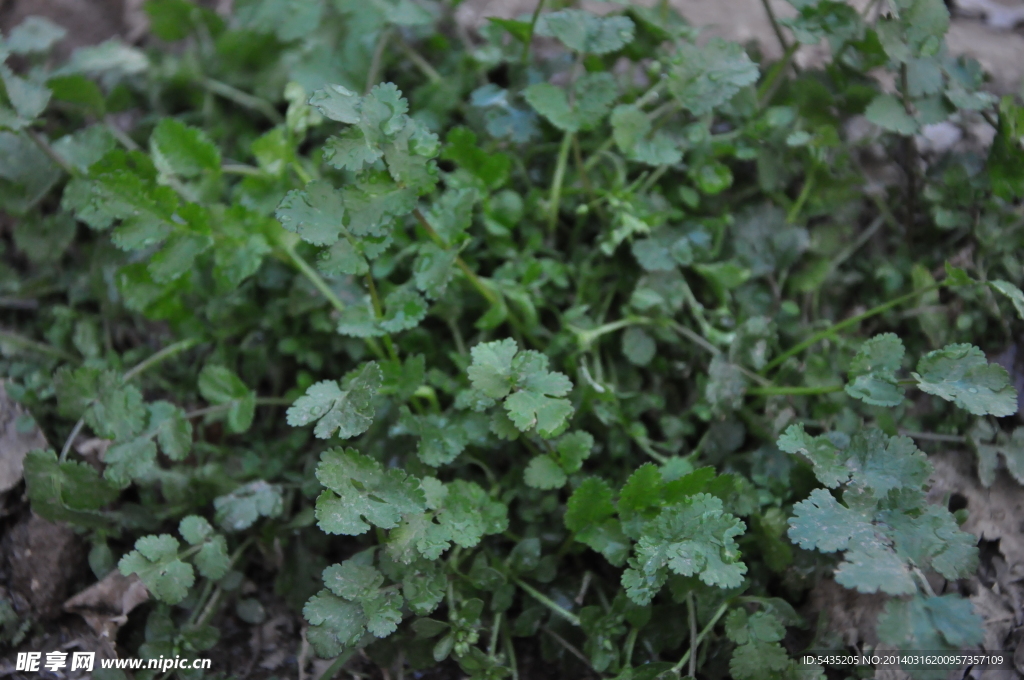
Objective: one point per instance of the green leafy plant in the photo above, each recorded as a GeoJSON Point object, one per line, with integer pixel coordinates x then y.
{"type": "Point", "coordinates": [601, 357]}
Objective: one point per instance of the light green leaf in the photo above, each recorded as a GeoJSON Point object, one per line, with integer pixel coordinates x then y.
{"type": "Point", "coordinates": [314, 213]}
{"type": "Point", "coordinates": [704, 77]}
{"type": "Point", "coordinates": [887, 112]}
{"type": "Point", "coordinates": [360, 493]}
{"type": "Point", "coordinates": [345, 409]}
{"type": "Point", "coordinates": [240, 509]}
{"type": "Point", "coordinates": [1013, 293]}
{"type": "Point", "coordinates": [155, 561]}
{"type": "Point", "coordinates": [182, 150]}
{"type": "Point", "coordinates": [873, 371]}
{"type": "Point", "coordinates": [543, 472]}
{"type": "Point", "coordinates": [583, 31]}
{"type": "Point", "coordinates": [959, 373]}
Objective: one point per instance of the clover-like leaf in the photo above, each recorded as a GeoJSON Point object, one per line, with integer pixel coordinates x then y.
{"type": "Point", "coordinates": [959, 373]}
{"type": "Point", "coordinates": [155, 561]}
{"type": "Point", "coordinates": [360, 492]}
{"type": "Point", "coordinates": [873, 371]}
{"type": "Point", "coordinates": [346, 409]}
{"type": "Point", "coordinates": [584, 31]}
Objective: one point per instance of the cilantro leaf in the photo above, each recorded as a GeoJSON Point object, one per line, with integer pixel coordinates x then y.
{"type": "Point", "coordinates": [179, 149]}
{"type": "Point", "coordinates": [220, 385]}
{"type": "Point", "coordinates": [825, 456]}
{"type": "Point", "coordinates": [67, 491]}
{"type": "Point", "coordinates": [594, 94]}
{"type": "Point", "coordinates": [583, 31]}
{"type": "Point", "coordinates": [543, 472]}
{"type": "Point", "coordinates": [821, 523]}
{"type": "Point", "coordinates": [155, 561]}
{"type": "Point", "coordinates": [442, 437]}
{"type": "Point", "coordinates": [943, 623]}
{"type": "Point", "coordinates": [240, 509]}
{"type": "Point", "coordinates": [873, 371]}
{"type": "Point", "coordinates": [491, 370]}
{"type": "Point", "coordinates": [360, 492]}
{"type": "Point", "coordinates": [705, 77]}
{"type": "Point", "coordinates": [111, 408]}
{"type": "Point", "coordinates": [212, 559]}
{"type": "Point", "coordinates": [1012, 292]}
{"type": "Point", "coordinates": [959, 373]}
{"type": "Point", "coordinates": [345, 409]}
{"type": "Point", "coordinates": [314, 213]}
{"type": "Point", "coordinates": [694, 537]}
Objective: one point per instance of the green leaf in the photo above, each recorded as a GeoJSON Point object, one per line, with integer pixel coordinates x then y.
{"type": "Point", "coordinates": [726, 385]}
{"type": "Point", "coordinates": [112, 409]}
{"type": "Point", "coordinates": [442, 438]}
{"type": "Point", "coordinates": [155, 561]}
{"type": "Point", "coordinates": [694, 537]}
{"type": "Point", "coordinates": [1006, 155]}
{"type": "Point", "coordinates": [212, 559]}
{"type": "Point", "coordinates": [314, 213]}
{"type": "Point", "coordinates": [594, 94]}
{"type": "Point", "coordinates": [574, 448]}
{"type": "Point", "coordinates": [491, 370]}
{"type": "Point", "coordinates": [959, 373]}
{"type": "Point", "coordinates": [543, 472]}
{"type": "Point", "coordinates": [638, 347]}
{"type": "Point", "coordinates": [705, 77]}
{"type": "Point", "coordinates": [492, 169]}
{"type": "Point", "coordinates": [182, 150]}
{"type": "Point", "coordinates": [67, 491]}
{"type": "Point", "coordinates": [887, 112]}
{"type": "Point", "coordinates": [433, 269]}
{"type": "Point", "coordinates": [34, 35]}
{"type": "Point", "coordinates": [346, 409]}
{"type": "Point", "coordinates": [220, 385]}
{"type": "Point", "coordinates": [134, 459]}
{"type": "Point", "coordinates": [336, 623]}
{"type": "Point", "coordinates": [821, 523]}
{"type": "Point", "coordinates": [1012, 292]}
{"type": "Point", "coordinates": [360, 492]}
{"type": "Point", "coordinates": [469, 513]}
{"type": "Point", "coordinates": [883, 464]}
{"type": "Point", "coordinates": [240, 509]}
{"type": "Point", "coordinates": [535, 402]}
{"type": "Point", "coordinates": [404, 309]}
{"type": "Point", "coordinates": [583, 31]}
{"type": "Point", "coordinates": [825, 456]}
{"type": "Point", "coordinates": [873, 371]}
{"type": "Point", "coordinates": [943, 623]}
{"type": "Point", "coordinates": [28, 99]}
{"type": "Point", "coordinates": [287, 19]}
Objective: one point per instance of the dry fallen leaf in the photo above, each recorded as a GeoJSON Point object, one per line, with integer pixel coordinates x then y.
{"type": "Point", "coordinates": [105, 605]}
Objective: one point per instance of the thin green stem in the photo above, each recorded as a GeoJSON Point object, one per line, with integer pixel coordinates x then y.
{"type": "Point", "coordinates": [805, 193]}
{"type": "Point", "coordinates": [325, 290]}
{"type": "Point", "coordinates": [630, 643]}
{"type": "Point", "coordinates": [162, 355]}
{"type": "Point", "coordinates": [776, 28]}
{"type": "Point", "coordinates": [933, 437]}
{"type": "Point", "coordinates": [700, 637]}
{"type": "Point", "coordinates": [119, 134]}
{"type": "Point", "coordinates": [547, 602]}
{"type": "Point", "coordinates": [766, 90]}
{"type": "Point", "coordinates": [218, 408]}
{"type": "Point", "coordinates": [492, 645]}
{"type": "Point", "coordinates": [842, 325]}
{"type": "Point", "coordinates": [420, 61]}
{"type": "Point", "coordinates": [529, 38]}
{"type": "Point", "coordinates": [373, 73]}
{"type": "Point", "coordinates": [241, 169]}
{"type": "Point", "coordinates": [784, 390]}
{"type": "Point", "coordinates": [333, 669]}
{"type": "Point", "coordinates": [243, 99]}
{"type": "Point", "coordinates": [71, 438]}
{"type": "Point", "coordinates": [556, 181]}
{"type": "Point", "coordinates": [510, 652]}
{"type": "Point", "coordinates": [36, 346]}
{"type": "Point", "coordinates": [691, 610]}
{"type": "Point", "coordinates": [45, 147]}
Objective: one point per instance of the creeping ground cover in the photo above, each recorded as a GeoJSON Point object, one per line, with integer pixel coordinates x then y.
{"type": "Point", "coordinates": [583, 345]}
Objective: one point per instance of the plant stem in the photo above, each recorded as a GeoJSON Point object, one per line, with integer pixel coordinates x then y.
{"type": "Point", "coordinates": [378, 311]}
{"type": "Point", "coordinates": [510, 652]}
{"type": "Point", "coordinates": [547, 602]}
{"type": "Point", "coordinates": [842, 325]}
{"type": "Point", "coordinates": [243, 99]}
{"type": "Point", "coordinates": [420, 62]}
{"type": "Point", "coordinates": [165, 353]}
{"type": "Point", "coordinates": [933, 437]}
{"type": "Point", "coordinates": [45, 147]}
{"type": "Point", "coordinates": [766, 90]}
{"type": "Point", "coordinates": [776, 28]}
{"type": "Point", "coordinates": [805, 193]}
{"type": "Point", "coordinates": [217, 408]}
{"type": "Point", "coordinates": [71, 438]}
{"type": "Point", "coordinates": [691, 609]}
{"type": "Point", "coordinates": [373, 73]}
{"type": "Point", "coordinates": [568, 646]}
{"type": "Point", "coordinates": [700, 637]}
{"type": "Point", "coordinates": [533, 24]}
{"type": "Point", "coordinates": [630, 643]}
{"type": "Point", "coordinates": [325, 290]}
{"type": "Point", "coordinates": [41, 347]}
{"type": "Point", "coordinates": [492, 645]}
{"type": "Point", "coordinates": [556, 181]}
{"type": "Point", "coordinates": [783, 390]}
{"type": "Point", "coordinates": [342, 659]}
